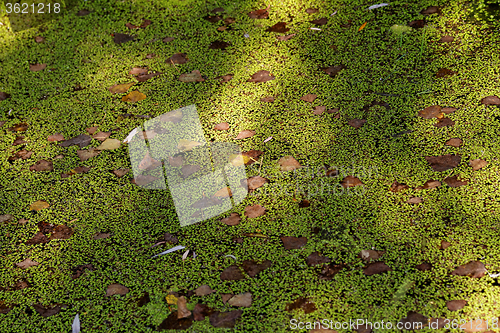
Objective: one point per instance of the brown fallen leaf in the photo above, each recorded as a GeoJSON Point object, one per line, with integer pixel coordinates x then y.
{"type": "Point", "coordinates": [116, 289]}
{"type": "Point", "coordinates": [178, 58]}
{"type": "Point", "coordinates": [417, 24]}
{"type": "Point", "coordinates": [357, 123]}
{"type": "Point", "coordinates": [477, 164]}
{"type": "Point", "coordinates": [21, 127]}
{"type": "Point", "coordinates": [318, 110]}
{"type": "Point", "coordinates": [137, 71]}
{"type": "Point", "coordinates": [255, 182]}
{"type": "Point", "coordinates": [22, 154]}
{"type": "Point", "coordinates": [219, 45]}
{"type": "Point", "coordinates": [269, 99]}
{"type": "Point", "coordinates": [174, 323]}
{"type": "Point", "coordinates": [222, 127]}
{"type": "Point", "coordinates": [260, 13]}
{"type": "Point", "coordinates": [232, 273]}
{"type": "Point", "coordinates": [19, 141]}
{"type": "Point", "coordinates": [225, 78]}
{"type": "Point", "coordinates": [446, 39]}
{"type": "Point", "coordinates": [442, 122]}
{"type": "Point", "coordinates": [42, 165]}
{"type": "Point", "coordinates": [87, 154]}
{"type": "Point", "coordinates": [101, 235]}
{"type": "Point", "coordinates": [245, 134]}
{"type": "Point", "coordinates": [253, 156]}
{"type": "Point", "coordinates": [285, 38]}
{"type": "Point", "coordinates": [119, 38]}
{"type": "Point", "coordinates": [443, 162]}
{"type": "Point", "coordinates": [38, 205]}
{"type": "Point", "coordinates": [26, 263]}
{"type": "Point", "coordinates": [252, 268]}
{"type": "Point", "coordinates": [225, 319]}
{"type": "Point", "coordinates": [243, 299]}
{"type": "Point", "coordinates": [448, 110]}
{"type": "Point", "coordinates": [333, 70]}
{"type": "Point", "coordinates": [254, 211]}
{"type": "Point", "coordinates": [101, 136]}
{"type": "Point", "coordinates": [233, 219]}
{"type": "Point", "coordinates": [46, 312]}
{"type": "Point", "coordinates": [430, 10]}
{"type": "Point", "coordinates": [224, 192]}
{"type": "Point", "coordinates": [474, 269]}
{"type": "Point", "coordinates": [370, 254]}
{"type": "Point", "coordinates": [415, 200]}
{"type": "Point", "coordinates": [397, 187]}
{"type": "Point", "coordinates": [194, 76]}
{"type": "Point", "coordinates": [309, 97]}
{"type": "Point", "coordinates": [311, 10]}
{"type": "Point", "coordinates": [430, 184]}
{"type": "Point", "coordinates": [37, 67]}
{"type": "Point", "coordinates": [6, 217]}
{"type": "Point", "coordinates": [182, 310]}
{"type": "Point", "coordinates": [39, 39]}
{"type": "Point", "coordinates": [143, 25]}
{"type": "Point", "coordinates": [376, 268]}
{"type": "Point", "coordinates": [491, 100]}
{"type": "Point", "coordinates": [61, 232]}
{"type": "Point", "coordinates": [3, 96]}
{"type": "Point", "coordinates": [55, 137]}
{"type": "Point", "coordinates": [83, 12]}
{"type": "Point", "coordinates": [350, 181]}
{"type": "Point", "coordinates": [288, 163]}
{"type": "Point", "coordinates": [304, 203]}
{"type": "Point", "coordinates": [226, 297]}
{"type": "Point", "coordinates": [454, 142]}
{"type": "Point", "coordinates": [176, 161]}
{"type": "Point", "coordinates": [261, 76]}
{"type": "Point", "coordinates": [329, 271]}
{"type": "Point", "coordinates": [445, 72]}
{"type": "Point", "coordinates": [145, 77]}
{"type": "Point", "coordinates": [39, 238]}
{"type": "Point", "coordinates": [45, 227]}
{"type": "Point", "coordinates": [201, 311]}
{"type": "Point", "coordinates": [203, 290]}
{"type": "Point", "coordinates": [290, 242]}
{"type": "Point", "coordinates": [167, 39]}
{"type": "Point", "coordinates": [415, 319]}
{"type": "Point", "coordinates": [456, 305]}
{"type": "Point", "coordinates": [321, 21]}
{"type": "Point", "coordinates": [430, 112]}
{"type": "Point", "coordinates": [454, 182]}
{"type": "Point", "coordinates": [212, 18]}
{"type": "Point", "coordinates": [80, 269]}
{"type": "Point", "coordinates": [81, 141]}
{"type": "Point", "coordinates": [278, 27]}
{"type": "Point", "coordinates": [444, 245]}
{"type": "Point", "coordinates": [120, 88]}
{"type": "Point", "coordinates": [316, 258]}
{"type": "Point", "coordinates": [424, 267]}
{"type": "Point", "coordinates": [301, 303]}
{"type": "Point", "coordinates": [142, 180]}
{"type": "Point", "coordinates": [133, 96]}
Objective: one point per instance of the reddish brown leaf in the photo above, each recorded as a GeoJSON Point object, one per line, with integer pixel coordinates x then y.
{"type": "Point", "coordinates": [444, 245]}
{"type": "Point", "coordinates": [167, 39]}
{"type": "Point", "coordinates": [397, 187]}
{"type": "Point", "coordinates": [222, 127]}
{"type": "Point", "coordinates": [417, 24]}
{"type": "Point", "coordinates": [491, 100]}
{"type": "Point", "coordinates": [21, 127]}
{"type": "Point", "coordinates": [316, 259]}
{"type": "Point", "coordinates": [357, 123]}
{"type": "Point", "coordinates": [321, 21]}
{"type": "Point", "coordinates": [19, 141]}
{"type": "Point", "coordinates": [178, 58]}
{"type": "Point", "coordinates": [170, 238]}
{"type": "Point", "coordinates": [42, 165]}
{"type": "Point", "coordinates": [174, 323]}
{"type": "Point", "coordinates": [101, 136]}
{"type": "Point", "coordinates": [443, 162]}
{"type": "Point", "coordinates": [225, 78]}
{"type": "Point", "coordinates": [245, 134]}
{"type": "Point", "coordinates": [259, 14]}
{"type": "Point", "coordinates": [218, 45]}
{"type": "Point", "coordinates": [317, 110]}
{"type": "Point", "coordinates": [311, 10]}
{"type": "Point", "coordinates": [254, 211]}
{"type": "Point", "coordinates": [290, 242]}
{"type": "Point", "coordinates": [226, 297]}
{"type": "Point", "coordinates": [27, 263]}
{"type": "Point", "coordinates": [430, 184]}
{"type": "Point", "coordinates": [478, 164]}
{"type": "Point", "coordinates": [333, 70]}
{"type": "Point", "coordinates": [253, 154]}
{"type": "Point", "coordinates": [288, 163]}
{"type": "Point", "coordinates": [414, 319]}
{"type": "Point", "coordinates": [46, 312]}
{"type": "Point", "coordinates": [456, 305]}
{"type": "Point", "coordinates": [116, 289]}
{"type": "Point", "coordinates": [201, 311]}
{"type": "Point", "coordinates": [474, 269]}
{"type": "Point", "coordinates": [430, 112]}
{"type": "Point", "coordinates": [101, 235]}
{"type": "Point", "coordinates": [430, 10]}
{"type": "Point", "coordinates": [45, 227]}
{"type": "Point", "coordinates": [442, 122]}
{"type": "Point", "coordinates": [22, 154]}
{"type": "Point", "coordinates": [269, 99]}
{"type": "Point", "coordinates": [424, 267]}
{"type": "Point", "coordinates": [285, 38]}
{"type": "Point", "coordinates": [39, 238]}
{"type": "Point", "coordinates": [309, 98]}
{"type": "Point", "coordinates": [414, 200]}
{"type": "Point", "coordinates": [3, 96]}
{"type": "Point", "coordinates": [145, 77]}
{"type": "Point", "coordinates": [122, 38]}
{"type": "Point", "coordinates": [454, 142]}
{"type": "Point", "coordinates": [61, 232]}
{"type": "Point", "coordinates": [329, 271]}
{"type": "Point", "coordinates": [261, 76]}
{"type": "Point", "coordinates": [231, 273]}
{"type": "Point", "coordinates": [233, 219]}
{"type": "Point", "coordinates": [255, 182]}
{"type": "Point", "coordinates": [203, 290]}
{"type": "Point", "coordinates": [225, 319]}
{"type": "Point", "coordinates": [448, 110]}
{"type": "Point", "coordinates": [182, 310]}
{"type": "Point", "coordinates": [304, 203]}
{"type": "Point", "coordinates": [87, 154]}
{"type": "Point", "coordinates": [80, 269]}
{"type": "Point", "coordinates": [376, 268]}
{"type": "Point", "coordinates": [212, 18]}
{"type": "Point", "coordinates": [136, 71]}
{"type": "Point", "coordinates": [444, 72]}
{"type": "Point", "coordinates": [446, 39]}
{"type": "Point", "coordinates": [278, 27]}
{"type": "Point", "coordinates": [37, 67]}
{"type": "Point", "coordinates": [83, 12]}
{"type": "Point", "coordinates": [301, 303]}
{"type": "Point", "coordinates": [454, 182]}
{"type": "Point", "coordinates": [252, 268]}
{"type": "Point", "coordinates": [350, 181]}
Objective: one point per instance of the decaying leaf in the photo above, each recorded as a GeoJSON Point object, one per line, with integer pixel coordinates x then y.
{"type": "Point", "coordinates": [245, 134]}
{"type": "Point", "coordinates": [26, 263]}
{"type": "Point", "coordinates": [478, 164]}
{"type": "Point", "coordinates": [232, 273]}
{"type": "Point", "coordinates": [309, 97]}
{"type": "Point", "coordinates": [261, 76]}
{"type": "Point", "coordinates": [288, 163]}
{"type": "Point", "coordinates": [397, 187]}
{"type": "Point", "coordinates": [454, 182]}
{"type": "Point", "coordinates": [133, 97]}
{"type": "Point", "coordinates": [301, 303]}
{"type": "Point", "coordinates": [474, 269]}
{"type": "Point", "coordinates": [224, 192]}
{"type": "Point", "coordinates": [243, 299]}
{"type": "Point", "coordinates": [178, 58]}
{"type": "Point", "coordinates": [333, 70]}
{"type": "Point", "coordinates": [290, 242]}
{"type": "Point", "coordinates": [219, 45]}
{"type": "Point", "coordinates": [376, 268]}
{"type": "Point", "coordinates": [182, 310]}
{"type": "Point", "coordinates": [356, 123]}
{"type": "Point", "coordinates": [443, 162]}
{"type": "Point", "coordinates": [55, 137]}
{"type": "Point", "coordinates": [316, 258]}
{"type": "Point", "coordinates": [201, 311]}
{"type": "Point", "coordinates": [194, 76]}
{"type": "Point", "coordinates": [186, 145]}
{"type": "Point", "coordinates": [61, 232]}
{"type": "Point", "coordinates": [87, 154]}
{"type": "Point", "coordinates": [252, 268]}
{"type": "Point", "coordinates": [233, 219]}
{"type": "Point", "coordinates": [203, 290]}
{"type": "Point", "coordinates": [321, 21]}
{"type": "Point", "coordinates": [222, 127]}
{"type": "Point", "coordinates": [255, 182]}
{"type": "Point", "coordinates": [329, 271]}
{"type": "Point", "coordinates": [42, 165]}
{"type": "Point", "coordinates": [260, 13]}
{"type": "Point", "coordinates": [46, 312]}
{"type": "Point", "coordinates": [442, 122]}
{"type": "Point", "coordinates": [120, 88]}
{"type": "Point", "coordinates": [81, 141]}
{"type": "Point", "coordinates": [278, 27]}
{"type": "Point", "coordinates": [225, 319]}
{"type": "Point", "coordinates": [116, 289]}
{"type": "Point", "coordinates": [119, 38]}
{"type": "Point", "coordinates": [415, 200]}
{"type": "Point", "coordinates": [370, 254]}
{"type": "Point", "coordinates": [285, 38]}
{"type": "Point", "coordinates": [491, 100]}
{"type": "Point", "coordinates": [430, 184]}
{"type": "Point", "coordinates": [145, 77]}
{"type": "Point", "coordinates": [254, 211]}
{"type": "Point", "coordinates": [454, 142]}
{"type": "Point", "coordinates": [456, 305]}
{"type": "Point", "coordinates": [37, 67]}
{"type": "Point", "coordinates": [174, 323]}
{"type": "Point", "coordinates": [430, 112]}
{"type": "Point", "coordinates": [350, 181]}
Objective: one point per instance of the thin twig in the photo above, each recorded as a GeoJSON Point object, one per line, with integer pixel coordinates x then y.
{"type": "Point", "coordinates": [175, 66]}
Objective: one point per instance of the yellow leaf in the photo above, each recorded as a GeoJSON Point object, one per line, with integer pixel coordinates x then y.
{"type": "Point", "coordinates": [223, 193]}
{"type": "Point", "coordinates": [187, 145]}
{"type": "Point", "coordinates": [362, 26]}
{"type": "Point", "coordinates": [120, 88]}
{"type": "Point", "coordinates": [239, 159]}
{"type": "Point", "coordinates": [171, 299]}
{"type": "Point", "coordinates": [109, 144]}
{"type": "Point", "coordinates": [40, 204]}
{"type": "Point", "coordinates": [133, 96]}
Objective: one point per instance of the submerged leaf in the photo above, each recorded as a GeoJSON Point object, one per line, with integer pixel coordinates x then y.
{"type": "Point", "coordinates": [133, 96]}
